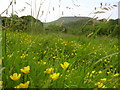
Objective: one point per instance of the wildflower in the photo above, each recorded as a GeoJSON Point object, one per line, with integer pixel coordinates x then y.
{"type": "Point", "coordinates": [41, 62]}
{"type": "Point", "coordinates": [83, 60]}
{"type": "Point", "coordinates": [68, 70]}
{"type": "Point", "coordinates": [85, 81]}
{"type": "Point", "coordinates": [15, 76]}
{"type": "Point", "coordinates": [115, 75]}
{"type": "Point", "coordinates": [103, 86]}
{"type": "Point", "coordinates": [21, 85]}
{"type": "Point", "coordinates": [18, 51]}
{"type": "Point", "coordinates": [99, 84]}
{"type": "Point", "coordinates": [93, 71]}
{"type": "Point", "coordinates": [54, 76]}
{"type": "Point", "coordinates": [75, 53]}
{"type": "Point", "coordinates": [108, 72]}
{"type": "Point", "coordinates": [54, 57]}
{"type": "Point", "coordinates": [25, 69]}
{"type": "Point", "coordinates": [34, 58]}
{"type": "Point", "coordinates": [22, 57]}
{"type": "Point", "coordinates": [2, 58]}
{"type": "Point", "coordinates": [26, 55]}
{"type": "Point", "coordinates": [95, 53]}
{"type": "Point", "coordinates": [100, 72]}
{"type": "Point", "coordinates": [72, 53]}
{"type": "Point", "coordinates": [65, 65]}
{"type": "Point", "coordinates": [105, 60]}
{"type": "Point", "coordinates": [73, 69]}
{"type": "Point", "coordinates": [88, 73]}
{"type": "Point", "coordinates": [44, 63]}
{"type": "Point", "coordinates": [45, 52]}
{"type": "Point", "coordinates": [103, 80]}
{"type": "Point", "coordinates": [86, 76]}
{"type": "Point", "coordinates": [49, 70]}
{"type": "Point", "coordinates": [91, 75]}
{"type": "Point", "coordinates": [10, 56]}
{"type": "Point", "coordinates": [1, 83]}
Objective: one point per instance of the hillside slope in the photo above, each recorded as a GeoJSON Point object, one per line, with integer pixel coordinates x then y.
{"type": "Point", "coordinates": [66, 20]}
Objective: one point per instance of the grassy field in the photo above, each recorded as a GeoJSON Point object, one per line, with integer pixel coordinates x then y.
{"type": "Point", "coordinates": [60, 61]}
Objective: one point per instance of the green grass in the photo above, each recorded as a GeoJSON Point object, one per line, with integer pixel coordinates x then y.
{"type": "Point", "coordinates": [82, 53]}
{"type": "Point", "coordinates": [0, 56]}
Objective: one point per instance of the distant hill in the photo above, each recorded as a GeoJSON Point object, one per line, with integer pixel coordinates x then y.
{"type": "Point", "coordinates": [67, 20]}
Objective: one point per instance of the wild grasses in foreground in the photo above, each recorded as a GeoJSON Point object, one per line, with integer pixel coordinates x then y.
{"type": "Point", "coordinates": [60, 61]}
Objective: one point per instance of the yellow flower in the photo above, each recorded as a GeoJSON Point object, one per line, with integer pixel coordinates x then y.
{"type": "Point", "coordinates": [115, 75]}
{"type": "Point", "coordinates": [103, 80]}
{"type": "Point", "coordinates": [73, 69]}
{"type": "Point", "coordinates": [42, 62]}
{"type": "Point", "coordinates": [49, 70]}
{"type": "Point", "coordinates": [26, 55]}
{"type": "Point", "coordinates": [103, 86]}
{"type": "Point", "coordinates": [15, 76]}
{"type": "Point", "coordinates": [54, 57]}
{"type": "Point", "coordinates": [108, 72]}
{"type": "Point", "coordinates": [93, 71]}
{"type": "Point", "coordinates": [22, 57]}
{"type": "Point", "coordinates": [91, 75]}
{"type": "Point", "coordinates": [99, 84]}
{"type": "Point", "coordinates": [68, 70]}
{"type": "Point", "coordinates": [45, 52]}
{"type": "Point", "coordinates": [25, 69]}
{"type": "Point", "coordinates": [65, 65]}
{"type": "Point", "coordinates": [54, 76]}
{"type": "Point", "coordinates": [34, 58]}
{"type": "Point", "coordinates": [1, 83]}
{"type": "Point", "coordinates": [100, 72]}
{"type": "Point", "coordinates": [88, 73]}
{"type": "Point", "coordinates": [21, 85]}
{"type": "Point", "coordinates": [105, 60]}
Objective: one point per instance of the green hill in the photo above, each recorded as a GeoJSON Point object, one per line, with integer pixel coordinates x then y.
{"type": "Point", "coordinates": [66, 20]}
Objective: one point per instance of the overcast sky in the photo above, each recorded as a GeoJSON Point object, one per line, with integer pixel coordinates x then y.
{"type": "Point", "coordinates": [53, 9]}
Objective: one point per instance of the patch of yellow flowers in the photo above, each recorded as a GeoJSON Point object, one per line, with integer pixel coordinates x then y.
{"type": "Point", "coordinates": [42, 62]}
{"type": "Point", "coordinates": [16, 76]}
{"type": "Point", "coordinates": [115, 75]}
{"type": "Point", "coordinates": [100, 85]}
{"type": "Point", "coordinates": [103, 80]}
{"type": "Point", "coordinates": [49, 70]}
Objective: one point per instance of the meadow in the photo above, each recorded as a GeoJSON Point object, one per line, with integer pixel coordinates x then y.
{"type": "Point", "coordinates": [39, 55]}
{"type": "Point", "coordinates": [59, 61]}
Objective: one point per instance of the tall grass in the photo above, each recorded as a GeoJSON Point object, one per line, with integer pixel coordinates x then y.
{"type": "Point", "coordinates": [55, 50]}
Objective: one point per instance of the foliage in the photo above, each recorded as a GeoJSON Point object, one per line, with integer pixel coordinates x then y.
{"type": "Point", "coordinates": [55, 28]}
{"type": "Point", "coordinates": [87, 26]}
{"type": "Point", "coordinates": [24, 23]}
